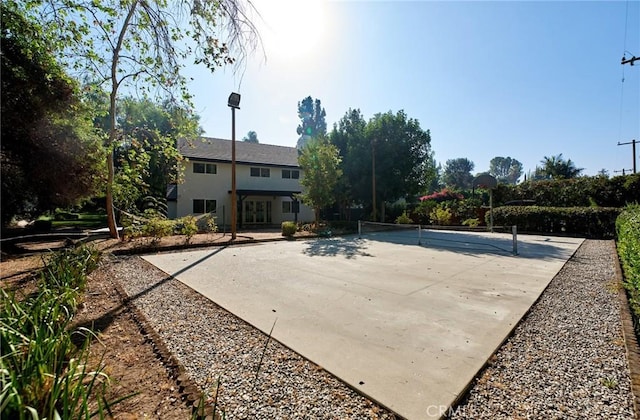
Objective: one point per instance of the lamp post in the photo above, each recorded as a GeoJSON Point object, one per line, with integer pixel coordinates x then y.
{"type": "Point", "coordinates": [233, 103]}
{"type": "Point", "coordinates": [373, 177]}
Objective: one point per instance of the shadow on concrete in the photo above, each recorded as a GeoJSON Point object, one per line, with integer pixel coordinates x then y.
{"type": "Point", "coordinates": [345, 246]}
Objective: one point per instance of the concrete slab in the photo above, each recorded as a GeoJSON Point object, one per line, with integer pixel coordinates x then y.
{"type": "Point", "coordinates": [407, 325]}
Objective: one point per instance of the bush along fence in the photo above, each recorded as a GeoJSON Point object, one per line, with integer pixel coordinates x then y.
{"type": "Point", "coordinates": [591, 222]}
{"type": "Point", "coordinates": [628, 244]}
{"type": "Point", "coordinates": [43, 371]}
{"type": "Point", "coordinates": [595, 191]}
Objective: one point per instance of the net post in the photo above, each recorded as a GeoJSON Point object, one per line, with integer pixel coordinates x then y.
{"type": "Point", "coordinates": [419, 234]}
{"type": "Point", "coordinates": [514, 231]}
{"type": "Point", "coordinates": [359, 229]}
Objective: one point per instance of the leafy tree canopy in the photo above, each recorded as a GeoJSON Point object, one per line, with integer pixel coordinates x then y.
{"type": "Point", "coordinates": [505, 170]}
{"type": "Point", "coordinates": [312, 120]}
{"type": "Point", "coordinates": [320, 163]}
{"type": "Point", "coordinates": [50, 152]}
{"type": "Point", "coordinates": [395, 144]}
{"type": "Point", "coordinates": [146, 154]}
{"type": "Point", "coordinates": [457, 173]}
{"type": "Point", "coordinates": [142, 46]}
{"type": "Point", "coordinates": [251, 137]}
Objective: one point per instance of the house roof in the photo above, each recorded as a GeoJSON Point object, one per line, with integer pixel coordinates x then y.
{"type": "Point", "coordinates": [219, 150]}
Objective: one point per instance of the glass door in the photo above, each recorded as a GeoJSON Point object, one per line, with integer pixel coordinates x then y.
{"type": "Point", "coordinates": [257, 211]}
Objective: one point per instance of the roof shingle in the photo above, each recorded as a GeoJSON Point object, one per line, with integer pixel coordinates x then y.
{"type": "Point", "coordinates": [219, 150]}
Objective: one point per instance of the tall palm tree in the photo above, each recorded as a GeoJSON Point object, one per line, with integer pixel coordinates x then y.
{"type": "Point", "coordinates": [558, 168]}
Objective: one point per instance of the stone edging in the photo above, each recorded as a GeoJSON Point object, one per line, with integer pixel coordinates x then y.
{"type": "Point", "coordinates": [191, 394]}
{"type": "Point", "coordinates": [628, 334]}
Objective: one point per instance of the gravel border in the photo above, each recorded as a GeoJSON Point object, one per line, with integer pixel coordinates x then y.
{"type": "Point", "coordinates": [214, 345]}
{"type": "Point", "coordinates": [566, 359]}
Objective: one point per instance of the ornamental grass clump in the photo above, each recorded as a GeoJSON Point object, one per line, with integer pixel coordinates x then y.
{"type": "Point", "coordinates": [43, 371]}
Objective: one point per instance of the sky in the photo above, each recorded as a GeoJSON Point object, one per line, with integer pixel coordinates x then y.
{"type": "Point", "coordinates": [502, 78]}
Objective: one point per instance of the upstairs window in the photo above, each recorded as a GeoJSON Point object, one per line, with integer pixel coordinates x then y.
{"type": "Point", "coordinates": [290, 174]}
{"type": "Point", "coordinates": [261, 172]}
{"type": "Point", "coordinates": [204, 168]}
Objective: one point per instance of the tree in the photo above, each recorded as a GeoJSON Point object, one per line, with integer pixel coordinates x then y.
{"type": "Point", "coordinates": [393, 144]}
{"type": "Point", "coordinates": [141, 45]}
{"type": "Point", "coordinates": [556, 167]}
{"type": "Point", "coordinates": [146, 155]}
{"type": "Point", "coordinates": [251, 137]}
{"type": "Point", "coordinates": [457, 173]}
{"type": "Point", "coordinates": [505, 170]}
{"type": "Point", "coordinates": [50, 154]}
{"type": "Point", "coordinates": [349, 136]}
{"type": "Point", "coordinates": [401, 153]}
{"type": "Point", "coordinates": [312, 121]}
{"type": "Point", "coordinates": [320, 163]}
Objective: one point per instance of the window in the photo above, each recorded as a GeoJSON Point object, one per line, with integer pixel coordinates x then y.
{"type": "Point", "coordinates": [290, 174]}
{"type": "Point", "coordinates": [204, 206]}
{"type": "Point", "coordinates": [260, 172]}
{"type": "Point", "coordinates": [204, 168]}
{"type": "Point", "coordinates": [286, 207]}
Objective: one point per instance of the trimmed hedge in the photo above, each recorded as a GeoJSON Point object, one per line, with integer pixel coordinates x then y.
{"type": "Point", "coordinates": [592, 222]}
{"type": "Point", "coordinates": [579, 192]}
{"type": "Point", "coordinates": [628, 230]}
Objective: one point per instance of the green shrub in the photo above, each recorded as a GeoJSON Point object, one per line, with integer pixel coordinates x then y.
{"type": "Point", "coordinates": [579, 192]}
{"type": "Point", "coordinates": [289, 228]}
{"type": "Point", "coordinates": [474, 222]}
{"type": "Point", "coordinates": [582, 221]}
{"type": "Point", "coordinates": [422, 213]}
{"type": "Point", "coordinates": [628, 231]}
{"type": "Point", "coordinates": [403, 219]}
{"type": "Point", "coordinates": [441, 216]}
{"type": "Point", "coordinates": [187, 226]}
{"type": "Point", "coordinates": [158, 227]}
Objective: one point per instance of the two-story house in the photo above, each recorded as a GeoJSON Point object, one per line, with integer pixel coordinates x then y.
{"type": "Point", "coordinates": [267, 181]}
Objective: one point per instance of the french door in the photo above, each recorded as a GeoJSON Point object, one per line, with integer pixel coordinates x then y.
{"type": "Point", "coordinates": [257, 211]}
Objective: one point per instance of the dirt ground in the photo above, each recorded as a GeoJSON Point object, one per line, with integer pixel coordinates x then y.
{"type": "Point", "coordinates": [131, 355]}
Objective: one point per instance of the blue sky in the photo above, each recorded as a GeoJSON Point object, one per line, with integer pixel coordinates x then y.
{"type": "Point", "coordinates": [519, 79]}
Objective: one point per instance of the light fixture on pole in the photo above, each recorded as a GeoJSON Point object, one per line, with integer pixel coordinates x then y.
{"type": "Point", "coordinates": [233, 103]}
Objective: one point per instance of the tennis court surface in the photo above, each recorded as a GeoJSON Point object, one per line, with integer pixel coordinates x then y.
{"type": "Point", "coordinates": [407, 325]}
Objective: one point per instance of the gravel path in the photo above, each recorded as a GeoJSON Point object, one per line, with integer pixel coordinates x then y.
{"type": "Point", "coordinates": [565, 360]}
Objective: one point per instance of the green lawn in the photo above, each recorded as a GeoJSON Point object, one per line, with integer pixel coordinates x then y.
{"type": "Point", "coordinates": [84, 221]}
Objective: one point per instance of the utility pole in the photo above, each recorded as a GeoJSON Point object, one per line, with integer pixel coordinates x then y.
{"type": "Point", "coordinates": [629, 61]}
{"type": "Point", "coordinates": [623, 171]}
{"type": "Point", "coordinates": [633, 148]}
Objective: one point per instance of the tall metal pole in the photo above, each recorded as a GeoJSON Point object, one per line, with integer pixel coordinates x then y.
{"type": "Point", "coordinates": [234, 204]}
{"type": "Point", "coordinates": [373, 177]}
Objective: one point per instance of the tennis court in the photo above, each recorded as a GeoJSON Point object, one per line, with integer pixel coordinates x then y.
{"type": "Point", "coordinates": [408, 325]}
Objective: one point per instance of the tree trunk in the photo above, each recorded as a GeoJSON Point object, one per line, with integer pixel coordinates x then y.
{"type": "Point", "coordinates": [111, 216]}
{"type": "Point", "coordinates": [115, 58]}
